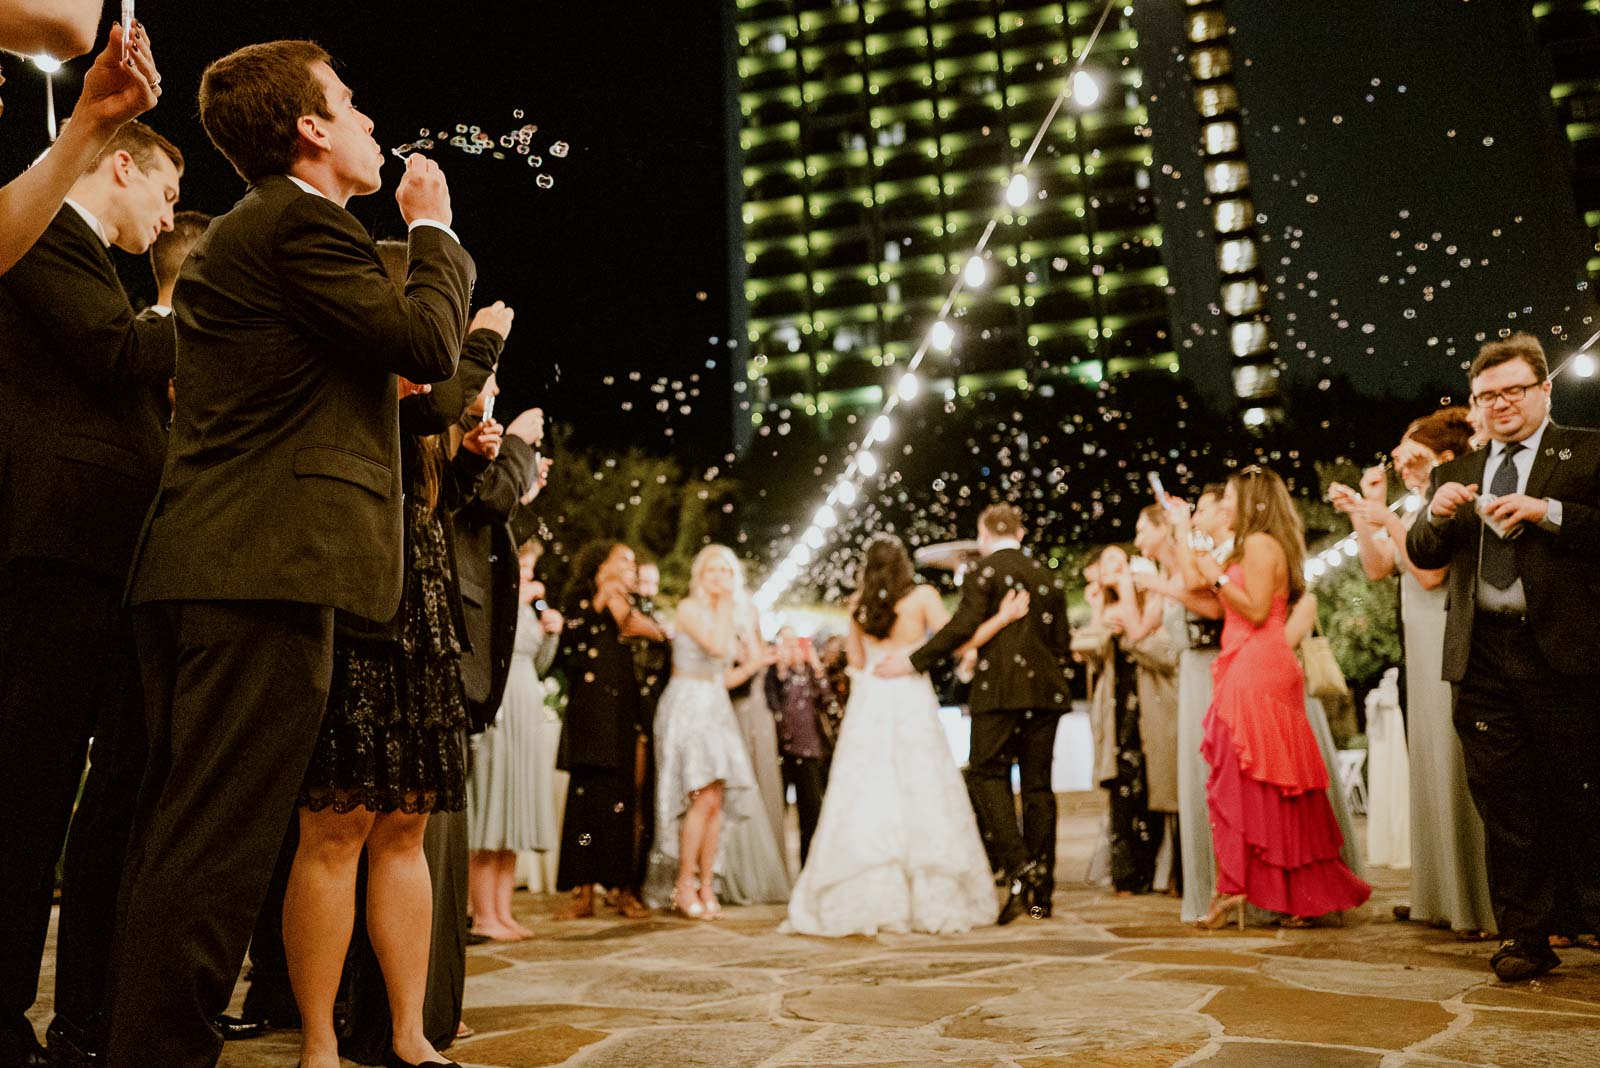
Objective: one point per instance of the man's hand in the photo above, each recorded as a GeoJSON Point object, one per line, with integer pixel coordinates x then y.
{"type": "Point", "coordinates": [541, 478]}
{"type": "Point", "coordinates": [1451, 496]}
{"type": "Point", "coordinates": [484, 439]}
{"type": "Point", "coordinates": [408, 388]}
{"type": "Point", "coordinates": [529, 426]}
{"type": "Point", "coordinates": [551, 621]}
{"type": "Point", "coordinates": [894, 666]}
{"type": "Point", "coordinates": [496, 317]}
{"type": "Point", "coordinates": [423, 192]}
{"type": "Point", "coordinates": [1516, 508]}
{"type": "Point", "coordinates": [114, 91]}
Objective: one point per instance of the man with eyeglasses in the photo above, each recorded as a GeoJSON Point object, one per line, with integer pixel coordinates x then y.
{"type": "Point", "coordinates": [1518, 524]}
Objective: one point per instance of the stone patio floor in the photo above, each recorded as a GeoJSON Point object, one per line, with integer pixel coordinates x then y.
{"type": "Point", "coordinates": [1106, 982]}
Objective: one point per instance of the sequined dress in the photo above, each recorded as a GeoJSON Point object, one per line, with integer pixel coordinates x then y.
{"type": "Point", "coordinates": [393, 737]}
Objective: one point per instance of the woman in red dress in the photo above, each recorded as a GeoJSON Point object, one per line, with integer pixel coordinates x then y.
{"type": "Point", "coordinates": [1273, 830]}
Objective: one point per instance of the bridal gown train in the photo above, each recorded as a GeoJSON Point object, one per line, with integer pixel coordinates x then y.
{"type": "Point", "coordinates": [896, 847]}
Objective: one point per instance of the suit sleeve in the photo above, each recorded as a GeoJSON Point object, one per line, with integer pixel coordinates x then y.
{"type": "Point", "coordinates": [84, 310]}
{"type": "Point", "coordinates": [969, 616]}
{"type": "Point", "coordinates": [336, 288]}
{"type": "Point", "coordinates": [1429, 544]}
{"type": "Point", "coordinates": [442, 407]}
{"type": "Point", "coordinates": [494, 490]}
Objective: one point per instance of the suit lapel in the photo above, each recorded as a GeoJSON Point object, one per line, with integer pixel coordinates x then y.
{"type": "Point", "coordinates": [1545, 460]}
{"type": "Point", "coordinates": [79, 230]}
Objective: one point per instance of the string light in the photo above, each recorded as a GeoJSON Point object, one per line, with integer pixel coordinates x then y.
{"type": "Point", "coordinates": [1084, 91]}
{"type": "Point", "coordinates": [976, 273]}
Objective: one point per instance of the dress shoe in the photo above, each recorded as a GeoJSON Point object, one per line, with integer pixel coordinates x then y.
{"type": "Point", "coordinates": [1024, 888]}
{"type": "Point", "coordinates": [239, 1028]}
{"type": "Point", "coordinates": [25, 1052]}
{"type": "Point", "coordinates": [70, 1046]}
{"type": "Point", "coordinates": [1520, 959]}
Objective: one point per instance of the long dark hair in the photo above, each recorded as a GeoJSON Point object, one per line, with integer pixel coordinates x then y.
{"type": "Point", "coordinates": [886, 576]}
{"type": "Point", "coordinates": [585, 566]}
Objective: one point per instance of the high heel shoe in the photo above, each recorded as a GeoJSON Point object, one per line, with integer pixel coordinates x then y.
{"type": "Point", "coordinates": [1218, 917]}
{"type": "Point", "coordinates": [687, 904]}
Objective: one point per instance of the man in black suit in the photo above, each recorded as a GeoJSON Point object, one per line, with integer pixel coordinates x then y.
{"type": "Point", "coordinates": [82, 399]}
{"type": "Point", "coordinates": [1019, 692]}
{"type": "Point", "coordinates": [1522, 644]}
{"type": "Point", "coordinates": [280, 503]}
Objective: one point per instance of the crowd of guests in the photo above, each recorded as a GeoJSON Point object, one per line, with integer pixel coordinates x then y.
{"type": "Point", "coordinates": [257, 545]}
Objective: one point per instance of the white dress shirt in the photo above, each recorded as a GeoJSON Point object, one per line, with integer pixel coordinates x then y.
{"type": "Point", "coordinates": [92, 219]}
{"type": "Point", "coordinates": [314, 191]}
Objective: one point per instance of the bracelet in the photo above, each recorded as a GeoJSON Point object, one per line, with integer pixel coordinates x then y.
{"type": "Point", "coordinates": [1222, 580]}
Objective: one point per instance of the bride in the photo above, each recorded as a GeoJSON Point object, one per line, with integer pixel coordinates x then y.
{"type": "Point", "coordinates": [896, 847]}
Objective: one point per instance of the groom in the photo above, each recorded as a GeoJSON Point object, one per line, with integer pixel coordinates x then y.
{"type": "Point", "coordinates": [1018, 696]}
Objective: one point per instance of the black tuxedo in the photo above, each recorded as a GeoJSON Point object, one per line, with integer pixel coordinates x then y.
{"type": "Point", "coordinates": [281, 502]}
{"type": "Point", "coordinates": [1018, 694]}
{"type": "Point", "coordinates": [482, 496]}
{"type": "Point", "coordinates": [81, 443]}
{"type": "Point", "coordinates": [1525, 683]}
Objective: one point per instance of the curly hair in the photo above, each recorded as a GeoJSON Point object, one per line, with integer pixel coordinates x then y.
{"type": "Point", "coordinates": [886, 576]}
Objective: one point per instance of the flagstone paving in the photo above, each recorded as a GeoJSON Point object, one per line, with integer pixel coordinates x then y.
{"type": "Point", "coordinates": [1107, 982]}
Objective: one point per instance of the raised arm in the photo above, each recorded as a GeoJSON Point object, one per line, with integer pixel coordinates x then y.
{"type": "Point", "coordinates": [711, 629]}
{"type": "Point", "coordinates": [1431, 541]}
{"type": "Point", "coordinates": [442, 406]}
{"type": "Point", "coordinates": [335, 287]}
{"type": "Point", "coordinates": [1265, 572]}
{"type": "Point", "coordinates": [969, 616]}
{"type": "Point", "coordinates": [1013, 606]}
{"type": "Point", "coordinates": [64, 29]}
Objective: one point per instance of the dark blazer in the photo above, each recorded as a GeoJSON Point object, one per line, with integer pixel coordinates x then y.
{"type": "Point", "coordinates": [1024, 666]}
{"type": "Point", "coordinates": [482, 497]}
{"type": "Point", "coordinates": [1560, 572]}
{"type": "Point", "coordinates": [283, 475]}
{"type": "Point", "coordinates": [81, 430]}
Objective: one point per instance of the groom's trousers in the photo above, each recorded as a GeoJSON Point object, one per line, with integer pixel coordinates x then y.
{"type": "Point", "coordinates": [1027, 738]}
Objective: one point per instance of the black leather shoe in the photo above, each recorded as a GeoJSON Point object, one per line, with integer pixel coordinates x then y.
{"type": "Point", "coordinates": [25, 1052]}
{"type": "Point", "coordinates": [70, 1047]}
{"type": "Point", "coordinates": [1521, 959]}
{"type": "Point", "coordinates": [238, 1028]}
{"type": "Point", "coordinates": [1024, 886]}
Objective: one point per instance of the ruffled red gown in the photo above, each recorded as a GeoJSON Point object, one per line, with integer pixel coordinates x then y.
{"type": "Point", "coordinates": [1272, 827]}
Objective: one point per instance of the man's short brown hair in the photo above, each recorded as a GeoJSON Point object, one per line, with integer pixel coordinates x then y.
{"type": "Point", "coordinates": [172, 247]}
{"type": "Point", "coordinates": [142, 143]}
{"type": "Point", "coordinates": [251, 101]}
{"type": "Point", "coordinates": [1518, 346]}
{"type": "Point", "coordinates": [1002, 520]}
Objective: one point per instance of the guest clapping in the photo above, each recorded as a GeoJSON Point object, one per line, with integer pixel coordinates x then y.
{"type": "Point", "coordinates": [797, 692]}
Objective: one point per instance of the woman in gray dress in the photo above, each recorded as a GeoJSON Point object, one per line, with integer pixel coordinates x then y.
{"type": "Point", "coordinates": [748, 877]}
{"type": "Point", "coordinates": [1449, 879]}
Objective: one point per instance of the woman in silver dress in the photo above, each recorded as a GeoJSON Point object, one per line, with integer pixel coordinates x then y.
{"type": "Point", "coordinates": [703, 771]}
{"type": "Point", "coordinates": [1449, 878]}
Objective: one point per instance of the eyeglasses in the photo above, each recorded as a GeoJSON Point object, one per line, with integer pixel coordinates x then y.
{"type": "Point", "coordinates": [1511, 395]}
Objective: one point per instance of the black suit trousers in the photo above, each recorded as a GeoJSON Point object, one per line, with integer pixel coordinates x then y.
{"type": "Point", "coordinates": [1531, 740]}
{"type": "Point", "coordinates": [809, 777]}
{"type": "Point", "coordinates": [67, 672]}
{"type": "Point", "coordinates": [234, 695]}
{"type": "Point", "coordinates": [1026, 738]}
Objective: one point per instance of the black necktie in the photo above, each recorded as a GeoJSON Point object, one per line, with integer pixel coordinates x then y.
{"type": "Point", "coordinates": [1498, 566]}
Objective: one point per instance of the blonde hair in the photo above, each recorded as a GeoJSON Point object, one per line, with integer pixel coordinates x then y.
{"type": "Point", "coordinates": [704, 559]}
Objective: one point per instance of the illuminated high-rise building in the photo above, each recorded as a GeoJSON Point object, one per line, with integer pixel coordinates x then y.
{"type": "Point", "coordinates": [877, 142]}
{"type": "Point", "coordinates": [1570, 32]}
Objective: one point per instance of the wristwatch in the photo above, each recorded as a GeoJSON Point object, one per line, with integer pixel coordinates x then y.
{"type": "Point", "coordinates": [1222, 580]}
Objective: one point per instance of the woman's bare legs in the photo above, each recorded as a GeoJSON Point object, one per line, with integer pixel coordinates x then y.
{"type": "Point", "coordinates": [400, 924]}
{"type": "Point", "coordinates": [504, 888]}
{"type": "Point", "coordinates": [709, 844]}
{"type": "Point", "coordinates": [319, 909]}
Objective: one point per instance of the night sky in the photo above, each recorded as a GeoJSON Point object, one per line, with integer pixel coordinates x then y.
{"type": "Point", "coordinates": [603, 268]}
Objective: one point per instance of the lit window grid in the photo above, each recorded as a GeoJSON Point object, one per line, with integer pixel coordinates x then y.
{"type": "Point", "coordinates": [783, 249]}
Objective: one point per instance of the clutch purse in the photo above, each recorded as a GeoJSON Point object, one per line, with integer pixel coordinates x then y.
{"type": "Point", "coordinates": [1324, 677]}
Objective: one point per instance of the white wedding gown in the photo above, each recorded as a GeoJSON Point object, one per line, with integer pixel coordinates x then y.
{"type": "Point", "coordinates": [896, 847]}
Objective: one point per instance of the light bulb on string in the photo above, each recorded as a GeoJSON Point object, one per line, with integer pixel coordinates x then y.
{"type": "Point", "coordinates": [1017, 190]}
{"type": "Point", "coordinates": [866, 463]}
{"type": "Point", "coordinates": [825, 518]}
{"type": "Point", "coordinates": [976, 272]}
{"type": "Point", "coordinates": [908, 387]}
{"type": "Point", "coordinates": [942, 336]}
{"type": "Point", "coordinates": [1351, 548]}
{"type": "Point", "coordinates": [1085, 90]}
{"type": "Point", "coordinates": [48, 64]}
{"type": "Point", "coordinates": [814, 538]}
{"type": "Point", "coordinates": [1583, 365]}
{"type": "Point", "coordinates": [846, 492]}
{"type": "Point", "coordinates": [882, 427]}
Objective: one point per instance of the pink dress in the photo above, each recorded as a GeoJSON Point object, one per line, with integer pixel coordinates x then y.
{"type": "Point", "coordinates": [1273, 829]}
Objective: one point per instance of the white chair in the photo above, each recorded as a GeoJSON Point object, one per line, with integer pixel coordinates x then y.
{"type": "Point", "coordinates": [1352, 763]}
